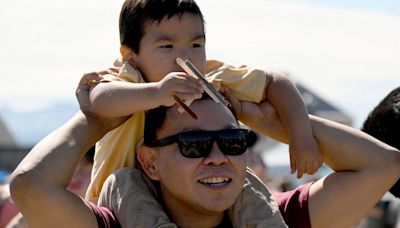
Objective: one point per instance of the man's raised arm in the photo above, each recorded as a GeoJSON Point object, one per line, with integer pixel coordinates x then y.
{"type": "Point", "coordinates": [365, 167]}
{"type": "Point", "coordinates": [38, 184]}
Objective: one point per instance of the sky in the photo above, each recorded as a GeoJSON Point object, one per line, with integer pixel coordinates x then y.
{"type": "Point", "coordinates": [347, 51]}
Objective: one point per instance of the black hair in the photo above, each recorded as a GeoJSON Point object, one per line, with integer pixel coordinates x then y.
{"type": "Point", "coordinates": [136, 13]}
{"type": "Point", "coordinates": [383, 123]}
{"type": "Point", "coordinates": [155, 119]}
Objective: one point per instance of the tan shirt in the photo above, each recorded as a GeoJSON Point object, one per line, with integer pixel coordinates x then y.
{"type": "Point", "coordinates": [132, 197]}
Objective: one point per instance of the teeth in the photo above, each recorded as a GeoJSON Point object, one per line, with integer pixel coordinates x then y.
{"type": "Point", "coordinates": [214, 180]}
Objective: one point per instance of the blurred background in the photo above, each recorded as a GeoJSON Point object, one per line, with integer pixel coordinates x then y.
{"type": "Point", "coordinates": [343, 55]}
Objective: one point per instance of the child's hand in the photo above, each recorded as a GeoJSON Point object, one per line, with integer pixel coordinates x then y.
{"type": "Point", "coordinates": [82, 95]}
{"type": "Point", "coordinates": [304, 151]}
{"type": "Point", "coordinates": [180, 84]}
{"type": "Point", "coordinates": [305, 156]}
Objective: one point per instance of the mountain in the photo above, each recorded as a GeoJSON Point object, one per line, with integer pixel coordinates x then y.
{"type": "Point", "coordinates": [28, 127]}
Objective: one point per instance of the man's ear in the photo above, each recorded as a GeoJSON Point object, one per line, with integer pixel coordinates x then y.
{"type": "Point", "coordinates": [147, 157]}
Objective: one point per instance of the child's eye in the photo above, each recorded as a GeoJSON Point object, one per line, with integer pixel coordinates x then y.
{"type": "Point", "coordinates": [167, 46]}
{"type": "Point", "coordinates": [197, 45]}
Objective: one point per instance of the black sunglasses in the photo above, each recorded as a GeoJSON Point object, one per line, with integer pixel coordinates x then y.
{"type": "Point", "coordinates": [196, 144]}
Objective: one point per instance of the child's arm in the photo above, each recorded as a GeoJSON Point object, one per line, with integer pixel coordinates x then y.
{"type": "Point", "coordinates": [304, 151]}
{"type": "Point", "coordinates": [120, 98]}
{"type": "Point", "coordinates": [285, 98]}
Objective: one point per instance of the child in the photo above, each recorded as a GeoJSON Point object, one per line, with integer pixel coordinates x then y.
{"type": "Point", "coordinates": [153, 34]}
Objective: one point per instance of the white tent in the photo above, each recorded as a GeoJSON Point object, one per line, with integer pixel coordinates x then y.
{"type": "Point", "coordinates": [6, 139]}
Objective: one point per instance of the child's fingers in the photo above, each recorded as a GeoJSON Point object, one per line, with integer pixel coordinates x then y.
{"type": "Point", "coordinates": [82, 91]}
{"type": "Point", "coordinates": [88, 79]}
{"type": "Point", "coordinates": [292, 164]}
{"type": "Point", "coordinates": [300, 169]}
{"type": "Point", "coordinates": [195, 82]}
{"type": "Point", "coordinates": [184, 83]}
{"type": "Point", "coordinates": [113, 70]}
{"type": "Point", "coordinates": [317, 165]}
{"type": "Point", "coordinates": [188, 96]}
{"type": "Point", "coordinates": [309, 167]}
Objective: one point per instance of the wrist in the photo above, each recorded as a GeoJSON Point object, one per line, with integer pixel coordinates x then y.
{"type": "Point", "coordinates": [155, 93]}
{"type": "Point", "coordinates": [86, 129]}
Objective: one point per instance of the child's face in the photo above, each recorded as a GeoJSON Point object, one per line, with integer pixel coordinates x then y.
{"type": "Point", "coordinates": [163, 42]}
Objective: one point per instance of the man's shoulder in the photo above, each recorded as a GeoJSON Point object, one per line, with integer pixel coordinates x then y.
{"type": "Point", "coordinates": [124, 178]}
{"type": "Point", "coordinates": [126, 172]}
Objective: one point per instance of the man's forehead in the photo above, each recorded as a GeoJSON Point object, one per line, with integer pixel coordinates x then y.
{"type": "Point", "coordinates": [211, 116]}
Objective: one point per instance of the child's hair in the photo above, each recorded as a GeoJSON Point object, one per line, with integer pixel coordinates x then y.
{"type": "Point", "coordinates": [136, 13]}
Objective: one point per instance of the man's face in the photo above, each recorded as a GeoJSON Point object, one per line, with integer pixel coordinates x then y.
{"type": "Point", "coordinates": [163, 42]}
{"type": "Point", "coordinates": [209, 184]}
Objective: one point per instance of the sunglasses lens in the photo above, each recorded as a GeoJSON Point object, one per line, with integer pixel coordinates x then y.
{"type": "Point", "coordinates": [233, 142]}
{"type": "Point", "coordinates": [195, 145]}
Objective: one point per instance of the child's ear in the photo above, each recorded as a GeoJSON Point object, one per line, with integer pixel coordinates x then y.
{"type": "Point", "coordinates": [127, 54]}
{"type": "Point", "coordinates": [148, 159]}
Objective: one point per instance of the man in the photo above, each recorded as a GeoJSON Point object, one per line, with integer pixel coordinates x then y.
{"type": "Point", "coordinates": [39, 183]}
{"type": "Point", "coordinates": [339, 193]}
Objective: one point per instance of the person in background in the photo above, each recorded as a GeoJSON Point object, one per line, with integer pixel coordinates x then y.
{"type": "Point", "coordinates": [7, 208]}
{"type": "Point", "coordinates": [383, 123]}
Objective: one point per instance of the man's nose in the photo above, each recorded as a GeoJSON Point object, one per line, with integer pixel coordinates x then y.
{"type": "Point", "coordinates": [215, 157]}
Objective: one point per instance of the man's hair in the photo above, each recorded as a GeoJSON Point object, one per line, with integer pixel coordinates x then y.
{"type": "Point", "coordinates": [155, 119]}
{"type": "Point", "coordinates": [383, 123]}
{"type": "Point", "coordinates": [135, 14]}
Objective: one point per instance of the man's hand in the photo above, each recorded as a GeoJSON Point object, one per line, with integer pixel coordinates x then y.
{"type": "Point", "coordinates": [259, 117]}
{"type": "Point", "coordinates": [82, 95]}
{"type": "Point", "coordinates": [248, 111]}
{"type": "Point", "coordinates": [304, 151]}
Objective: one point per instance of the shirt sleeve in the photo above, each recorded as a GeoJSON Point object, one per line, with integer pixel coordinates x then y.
{"type": "Point", "coordinates": [246, 83]}
{"type": "Point", "coordinates": [105, 218]}
{"type": "Point", "coordinates": [293, 206]}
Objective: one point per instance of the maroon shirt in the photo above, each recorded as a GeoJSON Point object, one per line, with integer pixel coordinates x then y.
{"type": "Point", "coordinates": [293, 206]}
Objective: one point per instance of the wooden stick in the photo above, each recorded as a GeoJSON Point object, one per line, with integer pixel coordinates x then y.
{"type": "Point", "coordinates": [185, 107]}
